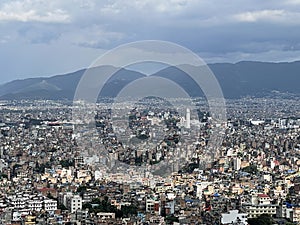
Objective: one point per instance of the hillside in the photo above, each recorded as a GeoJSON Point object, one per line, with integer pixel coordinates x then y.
{"type": "Point", "coordinates": [236, 80]}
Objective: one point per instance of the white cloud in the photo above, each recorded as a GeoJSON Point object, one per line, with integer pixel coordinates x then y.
{"type": "Point", "coordinates": [259, 15]}
{"type": "Point", "coordinates": [30, 10]}
{"type": "Point", "coordinates": [278, 16]}
{"type": "Point", "coordinates": [153, 5]}
{"type": "Point", "coordinates": [57, 16]}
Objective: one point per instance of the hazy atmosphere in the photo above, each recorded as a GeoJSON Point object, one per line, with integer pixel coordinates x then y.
{"type": "Point", "coordinates": [42, 38]}
{"type": "Point", "coordinates": [150, 112]}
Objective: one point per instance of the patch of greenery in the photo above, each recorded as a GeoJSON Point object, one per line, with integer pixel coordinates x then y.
{"type": "Point", "coordinates": [263, 219]}
{"type": "Point", "coordinates": [96, 206]}
{"type": "Point", "coordinates": [250, 169]}
{"type": "Point", "coordinates": [67, 163]}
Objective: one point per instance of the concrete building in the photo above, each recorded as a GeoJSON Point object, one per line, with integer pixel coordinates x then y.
{"type": "Point", "coordinates": [237, 163]}
{"type": "Point", "coordinates": [234, 217]}
{"type": "Point", "coordinates": [188, 118]}
{"type": "Point", "coordinates": [74, 203]}
{"type": "Point", "coordinates": [153, 206]}
{"type": "Point", "coordinates": [260, 204]}
{"type": "Point", "coordinates": [50, 205]}
{"type": "Point", "coordinates": [296, 215]}
{"type": "Point", "coordinates": [35, 204]}
{"type": "Point", "coordinates": [104, 215]}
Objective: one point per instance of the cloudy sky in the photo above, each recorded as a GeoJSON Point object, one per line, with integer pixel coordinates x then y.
{"type": "Point", "coordinates": [42, 38]}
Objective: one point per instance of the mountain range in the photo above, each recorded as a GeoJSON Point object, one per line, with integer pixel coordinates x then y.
{"type": "Point", "coordinates": [237, 80]}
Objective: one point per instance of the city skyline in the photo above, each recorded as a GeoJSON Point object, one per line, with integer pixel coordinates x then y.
{"type": "Point", "coordinates": [149, 112]}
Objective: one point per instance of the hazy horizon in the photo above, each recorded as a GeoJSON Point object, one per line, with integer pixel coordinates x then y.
{"type": "Point", "coordinates": [145, 71]}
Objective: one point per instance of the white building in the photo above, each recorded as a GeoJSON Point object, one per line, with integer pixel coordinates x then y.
{"type": "Point", "coordinates": [152, 206]}
{"type": "Point", "coordinates": [50, 205]}
{"type": "Point", "coordinates": [257, 210]}
{"type": "Point", "coordinates": [260, 204]}
{"type": "Point", "coordinates": [35, 204]}
{"type": "Point", "coordinates": [188, 118]}
{"type": "Point", "coordinates": [105, 215]}
{"type": "Point", "coordinates": [31, 202]}
{"type": "Point", "coordinates": [74, 203]}
{"type": "Point", "coordinates": [16, 216]}
{"type": "Point", "coordinates": [237, 163]}
{"type": "Point", "coordinates": [234, 217]}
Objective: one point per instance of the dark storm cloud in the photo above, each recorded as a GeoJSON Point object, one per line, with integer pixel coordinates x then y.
{"type": "Point", "coordinates": [56, 31]}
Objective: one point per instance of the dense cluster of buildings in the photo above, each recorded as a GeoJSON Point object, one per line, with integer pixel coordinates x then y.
{"type": "Point", "coordinates": [49, 177]}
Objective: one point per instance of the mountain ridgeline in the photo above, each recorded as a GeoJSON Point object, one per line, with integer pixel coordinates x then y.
{"type": "Point", "coordinates": [255, 79]}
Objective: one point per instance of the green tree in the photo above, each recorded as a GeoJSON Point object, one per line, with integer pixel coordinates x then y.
{"type": "Point", "coordinates": [129, 210]}
{"type": "Point", "coordinates": [250, 169]}
{"type": "Point", "coordinates": [96, 205]}
{"type": "Point", "coordinates": [49, 195]}
{"type": "Point", "coordinates": [67, 163]}
{"type": "Point", "coordinates": [81, 190]}
{"type": "Point", "coordinates": [2, 175]}
{"type": "Point", "coordinates": [171, 219]}
{"type": "Point", "coordinates": [61, 207]}
{"type": "Point", "coordinates": [263, 219]}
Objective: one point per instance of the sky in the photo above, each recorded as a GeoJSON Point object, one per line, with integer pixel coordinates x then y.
{"type": "Point", "coordinates": [43, 38]}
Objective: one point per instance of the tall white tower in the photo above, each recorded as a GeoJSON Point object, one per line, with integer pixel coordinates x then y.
{"type": "Point", "coordinates": [188, 118]}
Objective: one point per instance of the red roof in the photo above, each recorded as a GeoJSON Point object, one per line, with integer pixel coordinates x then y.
{"type": "Point", "coordinates": [263, 196]}
{"type": "Point", "coordinates": [46, 189]}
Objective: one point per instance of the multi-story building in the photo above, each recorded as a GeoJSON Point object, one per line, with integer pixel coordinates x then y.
{"type": "Point", "coordinates": [260, 204]}
{"type": "Point", "coordinates": [153, 206]}
{"type": "Point", "coordinates": [50, 205]}
{"type": "Point", "coordinates": [35, 204]}
{"type": "Point", "coordinates": [296, 215]}
{"type": "Point", "coordinates": [74, 203]}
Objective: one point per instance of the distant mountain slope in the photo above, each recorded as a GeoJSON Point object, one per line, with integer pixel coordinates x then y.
{"type": "Point", "coordinates": [182, 79]}
{"type": "Point", "coordinates": [62, 87]}
{"type": "Point", "coordinates": [257, 78]}
{"type": "Point", "coordinates": [243, 78]}
{"type": "Point", "coordinates": [236, 80]}
{"type": "Point", "coordinates": [33, 88]}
